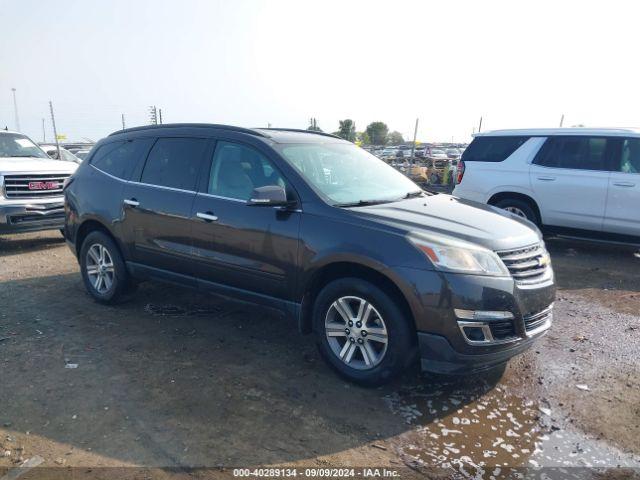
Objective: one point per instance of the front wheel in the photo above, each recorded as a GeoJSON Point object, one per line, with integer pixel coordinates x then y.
{"type": "Point", "coordinates": [362, 332]}
{"type": "Point", "coordinates": [103, 270]}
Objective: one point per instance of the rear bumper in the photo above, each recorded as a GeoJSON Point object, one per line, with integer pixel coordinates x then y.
{"type": "Point", "coordinates": [30, 217]}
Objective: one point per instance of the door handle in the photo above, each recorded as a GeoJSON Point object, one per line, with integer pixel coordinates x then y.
{"type": "Point", "coordinates": [624, 184]}
{"type": "Point", "coordinates": [547, 179]}
{"type": "Point", "coordinates": [207, 216]}
{"type": "Point", "coordinates": [132, 202]}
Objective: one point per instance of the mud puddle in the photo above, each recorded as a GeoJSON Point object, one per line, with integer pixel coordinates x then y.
{"type": "Point", "coordinates": [484, 431]}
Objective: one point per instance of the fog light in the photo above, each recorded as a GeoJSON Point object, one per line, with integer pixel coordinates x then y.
{"type": "Point", "coordinates": [475, 334]}
{"type": "Point", "coordinates": [482, 314]}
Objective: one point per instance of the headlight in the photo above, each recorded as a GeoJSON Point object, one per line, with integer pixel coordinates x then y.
{"type": "Point", "coordinates": [461, 257]}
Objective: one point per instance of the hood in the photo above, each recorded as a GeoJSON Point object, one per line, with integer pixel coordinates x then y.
{"type": "Point", "coordinates": [456, 218]}
{"type": "Point", "coordinates": [10, 165]}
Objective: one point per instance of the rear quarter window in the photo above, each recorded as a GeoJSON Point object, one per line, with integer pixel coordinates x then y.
{"type": "Point", "coordinates": [119, 159]}
{"type": "Point", "coordinates": [492, 149]}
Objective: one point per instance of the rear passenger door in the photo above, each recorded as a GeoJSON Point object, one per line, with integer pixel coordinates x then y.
{"type": "Point", "coordinates": [622, 214]}
{"type": "Point", "coordinates": [157, 205]}
{"type": "Point", "coordinates": [570, 178]}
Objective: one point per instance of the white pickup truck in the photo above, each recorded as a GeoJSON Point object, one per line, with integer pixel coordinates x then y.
{"type": "Point", "coordinates": [31, 184]}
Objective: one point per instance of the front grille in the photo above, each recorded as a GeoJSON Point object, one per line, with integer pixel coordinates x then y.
{"type": "Point", "coordinates": [502, 330]}
{"type": "Point", "coordinates": [27, 185]}
{"type": "Point", "coordinates": [536, 320]}
{"type": "Point", "coordinates": [527, 265]}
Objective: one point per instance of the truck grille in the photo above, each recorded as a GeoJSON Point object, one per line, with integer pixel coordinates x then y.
{"type": "Point", "coordinates": [34, 185]}
{"type": "Point", "coordinates": [527, 265]}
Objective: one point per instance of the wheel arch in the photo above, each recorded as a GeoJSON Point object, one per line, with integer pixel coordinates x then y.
{"type": "Point", "coordinates": [497, 197]}
{"type": "Point", "coordinates": [329, 272]}
{"type": "Point", "coordinates": [92, 225]}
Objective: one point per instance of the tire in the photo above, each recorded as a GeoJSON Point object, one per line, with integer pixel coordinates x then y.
{"type": "Point", "coordinates": [384, 361]}
{"type": "Point", "coordinates": [116, 281]}
{"type": "Point", "coordinates": [521, 208]}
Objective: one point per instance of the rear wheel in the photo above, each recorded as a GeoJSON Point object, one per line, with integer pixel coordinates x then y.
{"type": "Point", "coordinates": [103, 270]}
{"type": "Point", "coordinates": [518, 207]}
{"type": "Point", "coordinates": [362, 332]}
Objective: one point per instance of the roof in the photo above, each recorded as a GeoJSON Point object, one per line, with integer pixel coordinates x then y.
{"type": "Point", "coordinates": [545, 132]}
{"type": "Point", "coordinates": [277, 135]}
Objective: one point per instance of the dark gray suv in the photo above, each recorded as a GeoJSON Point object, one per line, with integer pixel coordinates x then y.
{"type": "Point", "coordinates": [379, 271]}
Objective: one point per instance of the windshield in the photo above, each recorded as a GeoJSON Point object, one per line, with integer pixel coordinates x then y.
{"type": "Point", "coordinates": [16, 145]}
{"type": "Point", "coordinates": [346, 174]}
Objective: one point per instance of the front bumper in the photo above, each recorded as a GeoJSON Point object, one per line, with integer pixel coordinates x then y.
{"type": "Point", "coordinates": [437, 299]}
{"type": "Point", "coordinates": [438, 356]}
{"type": "Point", "coordinates": [30, 217]}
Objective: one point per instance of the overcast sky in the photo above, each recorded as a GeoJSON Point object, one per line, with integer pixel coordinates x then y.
{"type": "Point", "coordinates": [254, 62]}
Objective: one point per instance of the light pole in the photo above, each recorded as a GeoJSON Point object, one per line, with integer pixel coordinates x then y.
{"type": "Point", "coordinates": [15, 109]}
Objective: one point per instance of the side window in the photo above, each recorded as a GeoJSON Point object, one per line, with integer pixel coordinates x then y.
{"type": "Point", "coordinates": [174, 162]}
{"type": "Point", "coordinates": [577, 153]}
{"type": "Point", "coordinates": [120, 158]}
{"type": "Point", "coordinates": [237, 169]}
{"type": "Point", "coordinates": [492, 149]}
{"type": "Point", "coordinates": [630, 156]}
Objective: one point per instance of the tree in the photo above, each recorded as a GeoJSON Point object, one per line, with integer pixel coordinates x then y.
{"type": "Point", "coordinates": [313, 125]}
{"type": "Point", "coordinates": [363, 138]}
{"type": "Point", "coordinates": [377, 133]}
{"type": "Point", "coordinates": [347, 130]}
{"type": "Point", "coordinates": [395, 138]}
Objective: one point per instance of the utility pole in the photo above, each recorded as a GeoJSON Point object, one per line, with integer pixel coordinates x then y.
{"type": "Point", "coordinates": [561, 120]}
{"type": "Point", "coordinates": [15, 109]}
{"type": "Point", "coordinates": [480, 126]}
{"type": "Point", "coordinates": [153, 115]}
{"type": "Point", "coordinates": [413, 146]}
{"type": "Point", "coordinates": [160, 112]}
{"type": "Point", "coordinates": [123, 126]}
{"type": "Point", "coordinates": [55, 131]}
{"type": "Point", "coordinates": [44, 132]}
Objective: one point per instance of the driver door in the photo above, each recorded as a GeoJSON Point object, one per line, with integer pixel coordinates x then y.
{"type": "Point", "coordinates": [250, 249]}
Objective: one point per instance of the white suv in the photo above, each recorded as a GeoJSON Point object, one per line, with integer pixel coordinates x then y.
{"type": "Point", "coordinates": [570, 181]}
{"type": "Point", "coordinates": [31, 184]}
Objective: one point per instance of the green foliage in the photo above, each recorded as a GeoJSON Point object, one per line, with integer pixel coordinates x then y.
{"type": "Point", "coordinates": [377, 133]}
{"type": "Point", "coordinates": [395, 138]}
{"type": "Point", "coordinates": [347, 130]}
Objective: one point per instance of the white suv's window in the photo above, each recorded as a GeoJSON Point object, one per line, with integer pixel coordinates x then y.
{"type": "Point", "coordinates": [577, 153]}
{"type": "Point", "coordinates": [630, 158]}
{"type": "Point", "coordinates": [16, 145]}
{"type": "Point", "coordinates": [492, 149]}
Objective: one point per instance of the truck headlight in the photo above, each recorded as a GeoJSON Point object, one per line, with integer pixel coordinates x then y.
{"type": "Point", "coordinates": [461, 257]}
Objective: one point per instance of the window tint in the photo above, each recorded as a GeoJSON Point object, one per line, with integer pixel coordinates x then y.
{"type": "Point", "coordinates": [630, 156]}
{"type": "Point", "coordinates": [579, 153]}
{"type": "Point", "coordinates": [120, 158]}
{"type": "Point", "coordinates": [492, 149]}
{"type": "Point", "coordinates": [237, 170]}
{"type": "Point", "coordinates": [174, 162]}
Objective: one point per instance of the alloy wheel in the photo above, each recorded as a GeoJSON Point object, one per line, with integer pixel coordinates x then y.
{"type": "Point", "coordinates": [356, 332]}
{"type": "Point", "coordinates": [516, 211]}
{"type": "Point", "coordinates": [99, 268]}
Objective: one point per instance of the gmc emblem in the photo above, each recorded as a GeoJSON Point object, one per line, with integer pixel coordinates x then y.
{"type": "Point", "coordinates": [43, 185]}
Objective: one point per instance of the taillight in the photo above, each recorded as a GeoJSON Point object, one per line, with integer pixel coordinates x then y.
{"type": "Point", "coordinates": [460, 172]}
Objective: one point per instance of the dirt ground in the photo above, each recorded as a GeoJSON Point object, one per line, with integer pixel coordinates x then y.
{"type": "Point", "coordinates": [175, 378]}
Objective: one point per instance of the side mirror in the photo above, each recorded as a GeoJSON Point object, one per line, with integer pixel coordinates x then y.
{"type": "Point", "coordinates": [53, 154]}
{"type": "Point", "coordinates": [268, 196]}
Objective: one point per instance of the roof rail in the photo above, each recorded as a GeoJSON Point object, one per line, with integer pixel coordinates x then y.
{"type": "Point", "coordinates": [299, 130]}
{"type": "Point", "coordinates": [180, 125]}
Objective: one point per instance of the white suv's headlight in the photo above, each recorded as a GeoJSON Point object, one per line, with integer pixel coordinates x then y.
{"type": "Point", "coordinates": [461, 257]}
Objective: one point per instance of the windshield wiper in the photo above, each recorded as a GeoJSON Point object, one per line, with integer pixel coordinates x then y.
{"type": "Point", "coordinates": [414, 194]}
{"type": "Point", "coordinates": [363, 203]}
